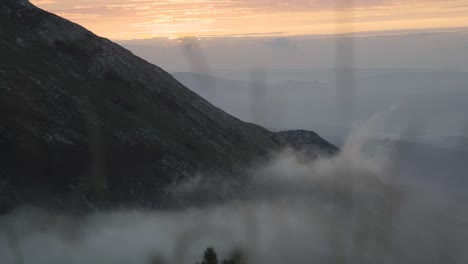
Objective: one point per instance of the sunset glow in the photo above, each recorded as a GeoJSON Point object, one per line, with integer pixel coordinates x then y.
{"type": "Point", "coordinates": [136, 19]}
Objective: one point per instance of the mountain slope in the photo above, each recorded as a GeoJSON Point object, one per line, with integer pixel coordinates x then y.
{"type": "Point", "coordinates": [306, 142]}
{"type": "Point", "coordinates": [84, 120]}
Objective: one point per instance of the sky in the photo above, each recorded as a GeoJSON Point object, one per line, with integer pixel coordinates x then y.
{"type": "Point", "coordinates": [139, 19]}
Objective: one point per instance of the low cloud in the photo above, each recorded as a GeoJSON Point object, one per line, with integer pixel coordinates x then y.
{"type": "Point", "coordinates": [297, 211]}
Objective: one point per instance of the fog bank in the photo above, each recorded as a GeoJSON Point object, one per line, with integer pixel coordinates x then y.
{"type": "Point", "coordinates": [351, 208]}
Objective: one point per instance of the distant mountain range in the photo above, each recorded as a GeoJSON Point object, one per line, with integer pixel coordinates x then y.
{"type": "Point", "coordinates": [434, 101]}
{"type": "Point", "coordinates": [85, 122]}
{"type": "Point", "coordinates": [438, 163]}
{"type": "Point", "coordinates": [426, 165]}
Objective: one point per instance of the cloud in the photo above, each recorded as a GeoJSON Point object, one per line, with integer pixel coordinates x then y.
{"type": "Point", "coordinates": [297, 211]}
{"type": "Point", "coordinates": [44, 2]}
{"type": "Point", "coordinates": [119, 18]}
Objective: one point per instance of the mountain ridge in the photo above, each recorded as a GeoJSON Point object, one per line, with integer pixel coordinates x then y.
{"type": "Point", "coordinates": [86, 121]}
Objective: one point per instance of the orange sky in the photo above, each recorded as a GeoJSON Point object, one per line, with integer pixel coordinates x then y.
{"type": "Point", "coordinates": [136, 19]}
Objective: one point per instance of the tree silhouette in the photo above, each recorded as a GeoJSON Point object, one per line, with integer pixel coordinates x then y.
{"type": "Point", "coordinates": [236, 257]}
{"type": "Point", "coordinates": [210, 256]}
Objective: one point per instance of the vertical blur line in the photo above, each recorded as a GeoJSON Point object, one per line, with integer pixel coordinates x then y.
{"type": "Point", "coordinates": [251, 229]}
{"type": "Point", "coordinates": [344, 62]}
{"type": "Point", "coordinates": [258, 93]}
{"type": "Point", "coordinates": [463, 144]}
{"type": "Point", "coordinates": [96, 181]}
{"type": "Point", "coordinates": [14, 243]}
{"type": "Point", "coordinates": [345, 102]}
{"type": "Point", "coordinates": [198, 65]}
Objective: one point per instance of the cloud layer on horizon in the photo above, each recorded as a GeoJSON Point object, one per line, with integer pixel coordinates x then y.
{"type": "Point", "coordinates": [133, 19]}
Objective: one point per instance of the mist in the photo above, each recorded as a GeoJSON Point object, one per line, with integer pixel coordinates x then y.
{"type": "Point", "coordinates": [350, 208]}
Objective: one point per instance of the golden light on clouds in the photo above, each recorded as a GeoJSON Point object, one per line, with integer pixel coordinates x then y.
{"type": "Point", "coordinates": [133, 19]}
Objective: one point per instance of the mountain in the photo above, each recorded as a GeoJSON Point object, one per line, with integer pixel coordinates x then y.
{"type": "Point", "coordinates": [85, 122]}
{"type": "Point", "coordinates": [307, 142]}
{"type": "Point", "coordinates": [423, 164]}
{"type": "Point", "coordinates": [454, 142]}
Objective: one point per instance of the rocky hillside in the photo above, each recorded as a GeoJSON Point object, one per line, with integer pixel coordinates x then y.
{"type": "Point", "coordinates": [306, 142]}
{"type": "Point", "coordinates": [83, 120]}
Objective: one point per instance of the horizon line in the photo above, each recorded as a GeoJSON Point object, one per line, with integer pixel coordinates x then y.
{"type": "Point", "coordinates": [370, 33]}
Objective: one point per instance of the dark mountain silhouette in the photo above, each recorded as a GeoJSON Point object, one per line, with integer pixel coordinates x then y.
{"type": "Point", "coordinates": [85, 121]}
{"type": "Point", "coordinates": [307, 142]}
